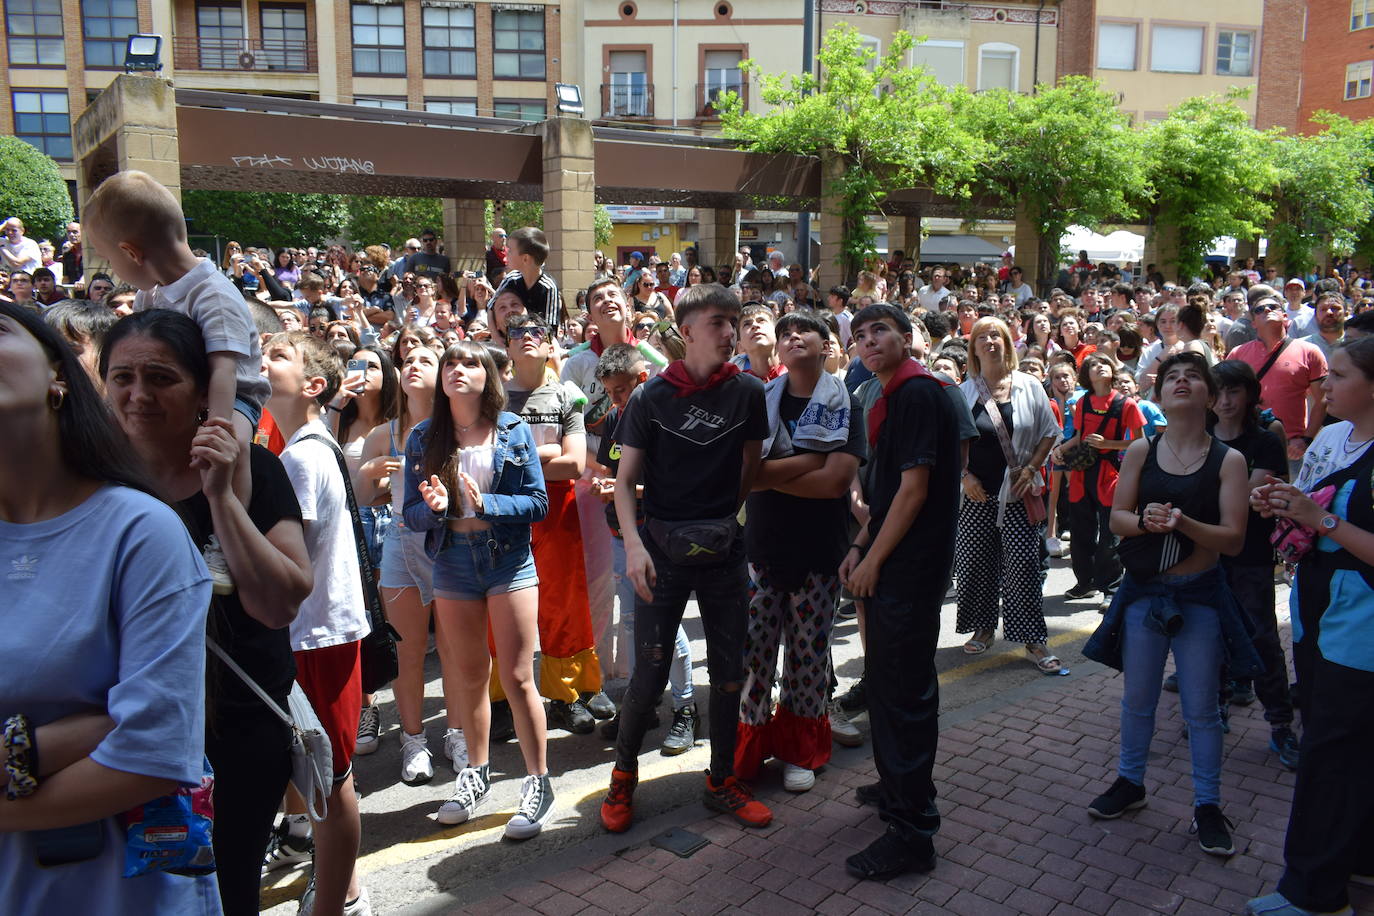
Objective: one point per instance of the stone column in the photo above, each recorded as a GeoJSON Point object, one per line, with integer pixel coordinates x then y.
{"type": "Point", "coordinates": [1027, 248]}
{"type": "Point", "coordinates": [569, 202]}
{"type": "Point", "coordinates": [1161, 249]}
{"type": "Point", "coordinates": [904, 234]}
{"type": "Point", "coordinates": [829, 271]}
{"type": "Point", "coordinates": [717, 236]}
{"type": "Point", "coordinates": [465, 238]}
{"type": "Point", "coordinates": [132, 124]}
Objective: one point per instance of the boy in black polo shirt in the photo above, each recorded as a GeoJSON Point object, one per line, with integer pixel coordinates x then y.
{"type": "Point", "coordinates": [693, 435]}
{"type": "Point", "coordinates": [527, 253]}
{"type": "Point", "coordinates": [900, 566]}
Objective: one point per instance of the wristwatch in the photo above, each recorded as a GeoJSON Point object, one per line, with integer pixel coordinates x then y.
{"type": "Point", "coordinates": [1329, 522]}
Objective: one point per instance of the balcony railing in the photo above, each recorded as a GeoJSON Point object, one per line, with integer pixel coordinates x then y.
{"type": "Point", "coordinates": [245, 54]}
{"type": "Point", "coordinates": [708, 93]}
{"type": "Point", "coordinates": [627, 101]}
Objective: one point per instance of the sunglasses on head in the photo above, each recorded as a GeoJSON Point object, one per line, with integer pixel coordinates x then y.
{"type": "Point", "coordinates": [533, 331]}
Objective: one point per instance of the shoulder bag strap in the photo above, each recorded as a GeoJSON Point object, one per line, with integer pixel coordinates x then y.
{"type": "Point", "coordinates": [369, 576]}
{"type": "Point", "coordinates": [248, 681]}
{"type": "Point", "coordinates": [1273, 357]}
{"type": "Point", "coordinates": [995, 418]}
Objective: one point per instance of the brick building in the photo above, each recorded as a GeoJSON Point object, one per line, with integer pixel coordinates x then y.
{"type": "Point", "coordinates": [1337, 61]}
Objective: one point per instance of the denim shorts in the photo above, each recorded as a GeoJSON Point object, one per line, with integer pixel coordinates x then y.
{"type": "Point", "coordinates": [404, 562]}
{"type": "Point", "coordinates": [473, 565]}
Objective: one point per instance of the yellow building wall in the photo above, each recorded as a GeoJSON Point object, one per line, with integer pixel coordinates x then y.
{"type": "Point", "coordinates": [1148, 95]}
{"type": "Point", "coordinates": [631, 236]}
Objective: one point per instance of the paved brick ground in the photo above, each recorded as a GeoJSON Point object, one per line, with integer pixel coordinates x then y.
{"type": "Point", "coordinates": [1015, 837]}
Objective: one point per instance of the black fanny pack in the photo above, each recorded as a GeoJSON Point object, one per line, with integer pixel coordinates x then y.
{"type": "Point", "coordinates": [699, 542]}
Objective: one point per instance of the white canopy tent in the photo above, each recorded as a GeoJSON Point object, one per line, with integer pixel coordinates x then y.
{"type": "Point", "coordinates": [1122, 246]}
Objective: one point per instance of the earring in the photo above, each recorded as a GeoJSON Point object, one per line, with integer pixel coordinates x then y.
{"type": "Point", "coordinates": [202, 416]}
{"type": "Point", "coordinates": [55, 398]}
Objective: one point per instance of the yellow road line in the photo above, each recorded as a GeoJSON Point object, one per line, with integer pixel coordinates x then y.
{"type": "Point", "coordinates": [1007, 657]}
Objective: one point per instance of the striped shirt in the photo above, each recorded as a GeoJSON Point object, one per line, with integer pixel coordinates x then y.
{"type": "Point", "coordinates": [542, 299]}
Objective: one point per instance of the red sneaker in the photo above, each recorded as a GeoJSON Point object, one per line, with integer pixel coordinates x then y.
{"type": "Point", "coordinates": [617, 811]}
{"type": "Point", "coordinates": [734, 798]}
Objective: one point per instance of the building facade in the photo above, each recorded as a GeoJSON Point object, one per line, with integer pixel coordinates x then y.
{"type": "Point", "coordinates": [1336, 71]}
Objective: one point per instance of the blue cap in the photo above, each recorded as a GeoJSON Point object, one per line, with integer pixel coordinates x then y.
{"type": "Point", "coordinates": [637, 254]}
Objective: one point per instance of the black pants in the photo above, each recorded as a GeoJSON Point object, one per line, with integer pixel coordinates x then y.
{"type": "Point", "coordinates": [904, 702]}
{"type": "Point", "coordinates": [1331, 828]}
{"type": "Point", "coordinates": [251, 756]}
{"type": "Point", "coordinates": [1092, 549]}
{"type": "Point", "coordinates": [1253, 586]}
{"type": "Point", "coordinates": [723, 596]}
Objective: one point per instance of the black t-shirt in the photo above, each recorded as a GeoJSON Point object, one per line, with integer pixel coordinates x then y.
{"type": "Point", "coordinates": [608, 455]}
{"type": "Point", "coordinates": [985, 458]}
{"type": "Point", "coordinates": [1261, 449]}
{"type": "Point", "coordinates": [796, 535]}
{"type": "Point", "coordinates": [264, 653]}
{"type": "Point", "coordinates": [426, 265]}
{"type": "Point", "coordinates": [693, 445]}
{"type": "Point", "coordinates": [541, 299]}
{"type": "Point", "coordinates": [920, 429]}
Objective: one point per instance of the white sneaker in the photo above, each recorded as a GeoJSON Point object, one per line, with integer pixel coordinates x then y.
{"type": "Point", "coordinates": [797, 779]}
{"type": "Point", "coordinates": [470, 790]}
{"type": "Point", "coordinates": [218, 566]}
{"type": "Point", "coordinates": [416, 765]}
{"type": "Point", "coordinates": [456, 748]}
{"type": "Point", "coordinates": [361, 906]}
{"type": "Point", "coordinates": [1054, 547]}
{"type": "Point", "coordinates": [842, 731]}
{"type": "Point", "coordinates": [536, 808]}
{"type": "Point", "coordinates": [369, 731]}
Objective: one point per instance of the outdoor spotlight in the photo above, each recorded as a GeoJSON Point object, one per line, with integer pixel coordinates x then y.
{"type": "Point", "coordinates": [569, 98]}
{"type": "Point", "coordinates": [144, 52]}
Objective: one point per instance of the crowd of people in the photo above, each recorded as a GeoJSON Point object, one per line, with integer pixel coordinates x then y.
{"type": "Point", "coordinates": [295, 452]}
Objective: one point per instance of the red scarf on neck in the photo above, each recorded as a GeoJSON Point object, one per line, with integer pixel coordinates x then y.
{"type": "Point", "coordinates": [676, 375]}
{"type": "Point", "coordinates": [878, 412]}
{"type": "Point", "coordinates": [598, 345]}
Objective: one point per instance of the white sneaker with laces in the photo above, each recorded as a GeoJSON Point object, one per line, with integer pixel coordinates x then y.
{"type": "Point", "coordinates": [842, 731]}
{"type": "Point", "coordinates": [456, 748]}
{"type": "Point", "coordinates": [470, 791]}
{"type": "Point", "coordinates": [797, 779]}
{"type": "Point", "coordinates": [536, 808]}
{"type": "Point", "coordinates": [218, 566]}
{"type": "Point", "coordinates": [359, 906]}
{"type": "Point", "coordinates": [416, 765]}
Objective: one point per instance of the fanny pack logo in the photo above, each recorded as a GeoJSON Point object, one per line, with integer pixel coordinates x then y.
{"type": "Point", "coordinates": [698, 549]}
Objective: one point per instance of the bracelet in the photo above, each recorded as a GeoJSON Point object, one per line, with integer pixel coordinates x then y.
{"type": "Point", "coordinates": [1140, 520]}
{"type": "Point", "coordinates": [21, 763]}
{"type": "Point", "coordinates": [855, 546]}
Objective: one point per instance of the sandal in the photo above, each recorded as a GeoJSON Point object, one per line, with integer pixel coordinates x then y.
{"type": "Point", "coordinates": [1047, 663]}
{"type": "Point", "coordinates": [977, 646]}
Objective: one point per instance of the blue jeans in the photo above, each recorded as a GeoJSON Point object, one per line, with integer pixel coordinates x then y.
{"type": "Point", "coordinates": [1198, 654]}
{"type": "Point", "coordinates": [680, 672]}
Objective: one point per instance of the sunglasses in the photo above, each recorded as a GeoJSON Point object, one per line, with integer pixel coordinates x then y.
{"type": "Point", "coordinates": [644, 326]}
{"type": "Point", "coordinates": [1262, 308]}
{"type": "Point", "coordinates": [533, 331]}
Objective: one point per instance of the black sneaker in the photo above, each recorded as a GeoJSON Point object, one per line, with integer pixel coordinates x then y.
{"type": "Point", "coordinates": [1123, 796]}
{"type": "Point", "coordinates": [684, 731]}
{"type": "Point", "coordinates": [502, 722]}
{"type": "Point", "coordinates": [536, 808]}
{"type": "Point", "coordinates": [285, 850]}
{"type": "Point", "coordinates": [1283, 742]}
{"type": "Point", "coordinates": [1171, 683]}
{"type": "Point", "coordinates": [1242, 693]}
{"type": "Point", "coordinates": [1213, 830]}
{"type": "Point", "coordinates": [598, 704]}
{"type": "Point", "coordinates": [572, 717]}
{"type": "Point", "coordinates": [889, 856]}
{"type": "Point", "coordinates": [856, 700]}
{"type": "Point", "coordinates": [1078, 592]}
{"type": "Point", "coordinates": [870, 794]}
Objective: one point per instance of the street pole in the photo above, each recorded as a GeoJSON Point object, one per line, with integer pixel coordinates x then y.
{"type": "Point", "coordinates": [808, 66]}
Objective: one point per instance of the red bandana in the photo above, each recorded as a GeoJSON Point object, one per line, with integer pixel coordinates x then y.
{"type": "Point", "coordinates": [598, 345]}
{"type": "Point", "coordinates": [676, 375]}
{"type": "Point", "coordinates": [878, 412]}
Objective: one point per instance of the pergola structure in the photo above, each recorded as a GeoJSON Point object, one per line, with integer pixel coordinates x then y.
{"type": "Point", "coordinates": [226, 141]}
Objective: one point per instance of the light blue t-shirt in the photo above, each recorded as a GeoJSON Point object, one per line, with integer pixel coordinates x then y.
{"type": "Point", "coordinates": [105, 608]}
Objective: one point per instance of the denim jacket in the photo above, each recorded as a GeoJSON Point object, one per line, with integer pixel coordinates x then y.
{"type": "Point", "coordinates": [517, 498]}
{"type": "Point", "coordinates": [1209, 589]}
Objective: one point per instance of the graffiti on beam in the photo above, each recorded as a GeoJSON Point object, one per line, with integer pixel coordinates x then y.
{"type": "Point", "coordinates": [342, 165]}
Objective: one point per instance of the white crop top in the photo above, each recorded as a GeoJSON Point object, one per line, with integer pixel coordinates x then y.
{"type": "Point", "coordinates": [475, 461]}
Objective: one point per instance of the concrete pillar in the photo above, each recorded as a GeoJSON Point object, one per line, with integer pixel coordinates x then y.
{"type": "Point", "coordinates": [904, 234]}
{"type": "Point", "coordinates": [132, 124]}
{"type": "Point", "coordinates": [1161, 249]}
{"type": "Point", "coordinates": [717, 237]}
{"type": "Point", "coordinates": [1028, 247]}
{"type": "Point", "coordinates": [830, 271]}
{"type": "Point", "coordinates": [569, 201]}
{"type": "Point", "coordinates": [326, 40]}
{"type": "Point", "coordinates": [465, 237]}
{"type": "Point", "coordinates": [1246, 248]}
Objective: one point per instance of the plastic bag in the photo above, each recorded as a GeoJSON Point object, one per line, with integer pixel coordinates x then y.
{"type": "Point", "coordinates": [172, 833]}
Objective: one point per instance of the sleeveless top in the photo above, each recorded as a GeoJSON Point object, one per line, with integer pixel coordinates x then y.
{"type": "Point", "coordinates": [476, 462]}
{"type": "Point", "coordinates": [398, 495]}
{"type": "Point", "coordinates": [1198, 494]}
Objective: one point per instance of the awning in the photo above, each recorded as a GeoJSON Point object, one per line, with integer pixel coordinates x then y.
{"type": "Point", "coordinates": [961, 249]}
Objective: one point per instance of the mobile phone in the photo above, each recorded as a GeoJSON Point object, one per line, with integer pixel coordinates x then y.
{"type": "Point", "coordinates": [65, 845]}
{"type": "Point", "coordinates": [250, 281]}
{"type": "Point", "coordinates": [357, 367]}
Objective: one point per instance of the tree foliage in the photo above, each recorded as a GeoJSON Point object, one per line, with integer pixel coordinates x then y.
{"type": "Point", "coordinates": [517, 213]}
{"type": "Point", "coordinates": [1066, 155]}
{"type": "Point", "coordinates": [892, 127]}
{"type": "Point", "coordinates": [31, 188]}
{"type": "Point", "coordinates": [266, 217]}
{"type": "Point", "coordinates": [373, 220]}
{"type": "Point", "coordinates": [1323, 195]}
{"type": "Point", "coordinates": [1212, 174]}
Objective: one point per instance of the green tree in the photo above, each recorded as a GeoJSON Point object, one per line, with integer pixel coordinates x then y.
{"type": "Point", "coordinates": [1066, 155]}
{"type": "Point", "coordinates": [517, 213]}
{"type": "Point", "coordinates": [1212, 174]}
{"type": "Point", "coordinates": [266, 217]}
{"type": "Point", "coordinates": [372, 220]}
{"type": "Point", "coordinates": [891, 126]}
{"type": "Point", "coordinates": [1323, 195]}
{"type": "Point", "coordinates": [31, 188]}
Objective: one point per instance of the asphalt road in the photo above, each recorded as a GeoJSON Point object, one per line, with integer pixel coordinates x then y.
{"type": "Point", "coordinates": [411, 862]}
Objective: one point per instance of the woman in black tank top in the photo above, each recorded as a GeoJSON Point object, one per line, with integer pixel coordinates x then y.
{"type": "Point", "coordinates": [1180, 503]}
